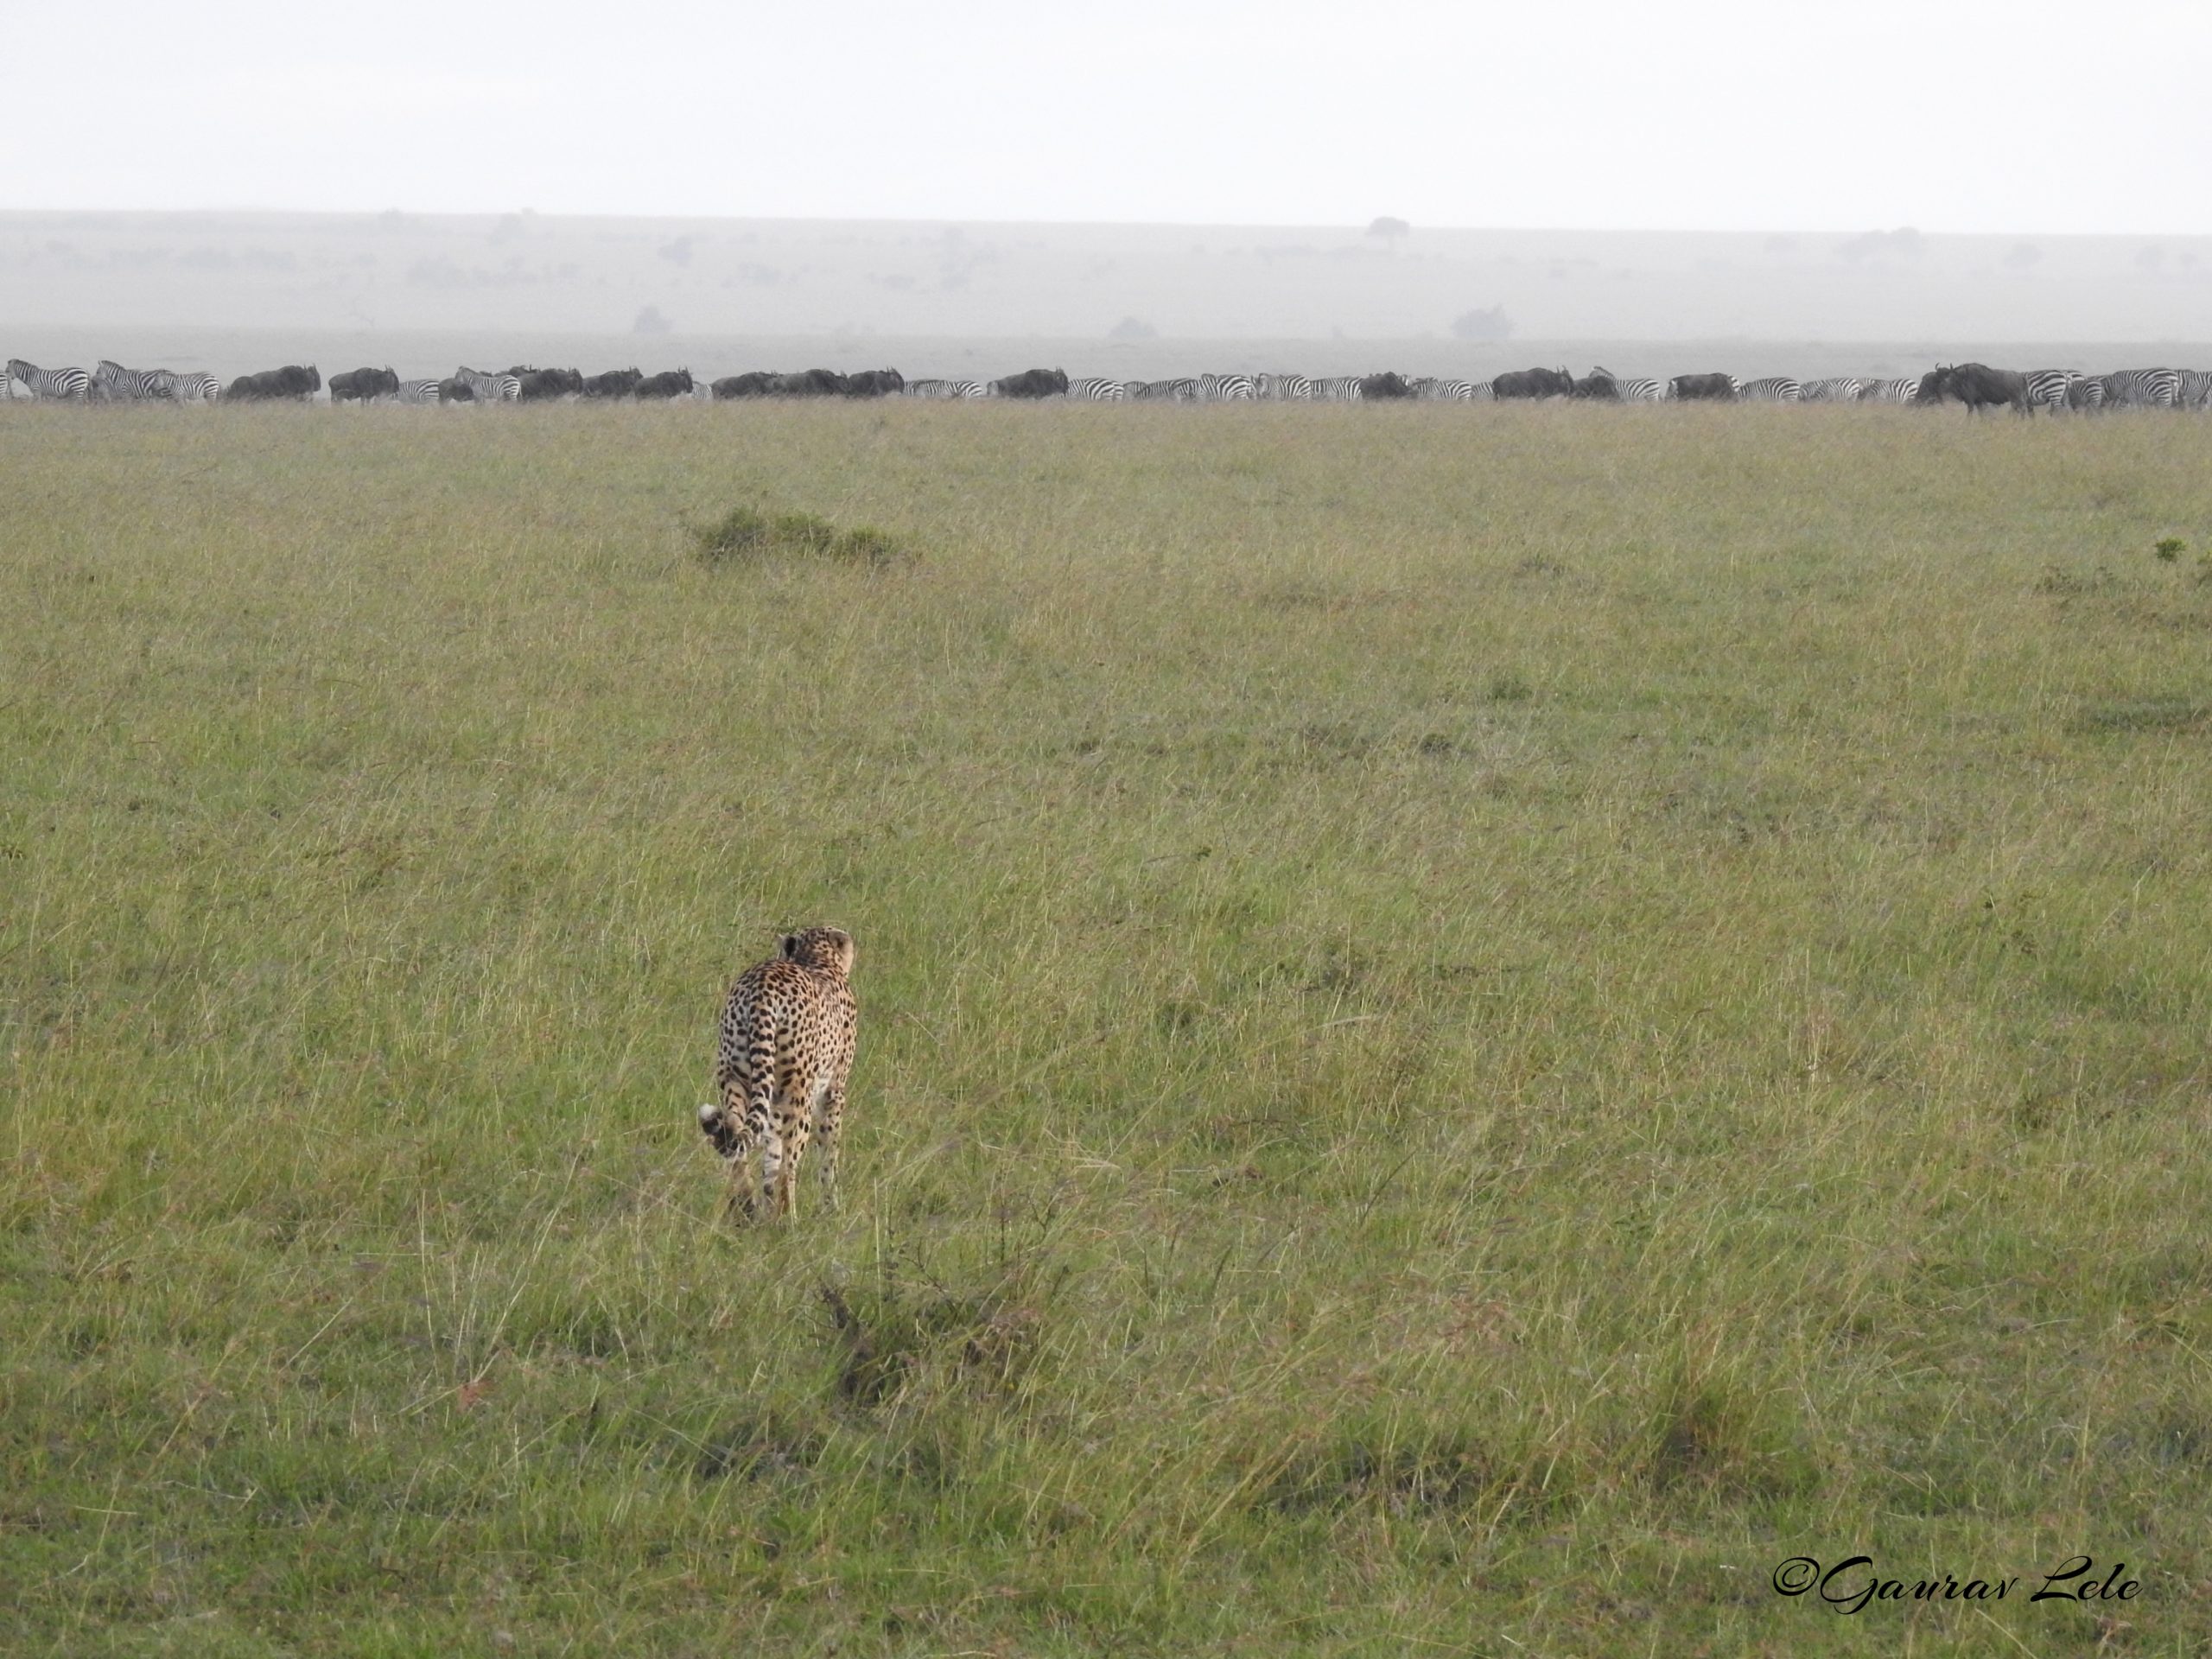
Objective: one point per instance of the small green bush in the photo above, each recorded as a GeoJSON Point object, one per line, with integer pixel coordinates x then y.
{"type": "Point", "coordinates": [2168, 548]}
{"type": "Point", "coordinates": [748, 532]}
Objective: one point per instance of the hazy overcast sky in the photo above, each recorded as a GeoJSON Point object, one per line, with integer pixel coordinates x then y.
{"type": "Point", "coordinates": [1948, 115]}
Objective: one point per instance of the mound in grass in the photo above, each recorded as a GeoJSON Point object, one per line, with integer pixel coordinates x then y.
{"type": "Point", "coordinates": [747, 532]}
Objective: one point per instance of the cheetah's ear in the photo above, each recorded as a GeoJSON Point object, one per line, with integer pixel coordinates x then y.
{"type": "Point", "coordinates": [791, 945]}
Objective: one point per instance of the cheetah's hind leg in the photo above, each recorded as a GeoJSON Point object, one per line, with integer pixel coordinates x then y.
{"type": "Point", "coordinates": [734, 1147]}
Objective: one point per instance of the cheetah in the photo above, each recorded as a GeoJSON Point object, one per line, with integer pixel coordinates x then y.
{"type": "Point", "coordinates": [780, 1068]}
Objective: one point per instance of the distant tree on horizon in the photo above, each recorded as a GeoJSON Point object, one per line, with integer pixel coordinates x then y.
{"type": "Point", "coordinates": [1489, 324]}
{"type": "Point", "coordinates": [1389, 228]}
{"type": "Point", "coordinates": [650, 321]}
{"type": "Point", "coordinates": [1132, 328]}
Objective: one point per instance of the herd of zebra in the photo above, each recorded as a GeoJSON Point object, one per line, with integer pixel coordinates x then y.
{"type": "Point", "coordinates": [1975, 384]}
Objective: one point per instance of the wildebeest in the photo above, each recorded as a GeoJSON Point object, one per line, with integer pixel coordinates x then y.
{"type": "Point", "coordinates": [1032, 383]}
{"type": "Point", "coordinates": [811, 383]}
{"type": "Point", "coordinates": [670, 382]}
{"type": "Point", "coordinates": [1533, 382]}
{"type": "Point", "coordinates": [758, 384]}
{"type": "Point", "coordinates": [456, 390]}
{"type": "Point", "coordinates": [1598, 387]}
{"type": "Point", "coordinates": [616, 383]}
{"type": "Point", "coordinates": [1715, 387]}
{"type": "Point", "coordinates": [538, 385]}
{"type": "Point", "coordinates": [1977, 385]}
{"type": "Point", "coordinates": [1388, 384]}
{"type": "Point", "coordinates": [359, 385]}
{"type": "Point", "coordinates": [293, 380]}
{"type": "Point", "coordinates": [875, 383]}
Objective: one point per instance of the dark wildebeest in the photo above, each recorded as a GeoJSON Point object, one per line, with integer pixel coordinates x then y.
{"type": "Point", "coordinates": [811, 383]}
{"type": "Point", "coordinates": [616, 383]}
{"type": "Point", "coordinates": [361, 384]}
{"type": "Point", "coordinates": [1388, 384]}
{"type": "Point", "coordinates": [1979, 387]}
{"type": "Point", "coordinates": [875, 383]}
{"type": "Point", "coordinates": [540, 385]}
{"type": "Point", "coordinates": [1714, 388]}
{"type": "Point", "coordinates": [1032, 383]}
{"type": "Point", "coordinates": [758, 384]}
{"type": "Point", "coordinates": [290, 381]}
{"type": "Point", "coordinates": [1935, 387]}
{"type": "Point", "coordinates": [1533, 382]}
{"type": "Point", "coordinates": [670, 382]}
{"type": "Point", "coordinates": [456, 390]}
{"type": "Point", "coordinates": [1600, 386]}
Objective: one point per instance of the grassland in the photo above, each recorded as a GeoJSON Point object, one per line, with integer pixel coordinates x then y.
{"type": "Point", "coordinates": [1478, 1025]}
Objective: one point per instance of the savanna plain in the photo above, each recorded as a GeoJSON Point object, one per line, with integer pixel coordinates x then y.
{"type": "Point", "coordinates": [1478, 1025]}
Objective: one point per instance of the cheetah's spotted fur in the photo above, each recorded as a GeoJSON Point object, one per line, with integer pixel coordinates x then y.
{"type": "Point", "coordinates": [785, 1053]}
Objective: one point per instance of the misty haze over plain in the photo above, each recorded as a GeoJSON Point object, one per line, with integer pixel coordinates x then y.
{"type": "Point", "coordinates": [1894, 171]}
{"type": "Point", "coordinates": [527, 274]}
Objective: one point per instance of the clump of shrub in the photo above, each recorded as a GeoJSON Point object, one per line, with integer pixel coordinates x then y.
{"type": "Point", "coordinates": [748, 532]}
{"type": "Point", "coordinates": [901, 1335]}
{"type": "Point", "coordinates": [2168, 548]}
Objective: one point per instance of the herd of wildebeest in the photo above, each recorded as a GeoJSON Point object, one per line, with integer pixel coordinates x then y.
{"type": "Point", "coordinates": [1975, 385]}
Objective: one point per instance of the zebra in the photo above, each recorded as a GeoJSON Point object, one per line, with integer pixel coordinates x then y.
{"type": "Point", "coordinates": [49, 383]}
{"type": "Point", "coordinates": [1430, 390]}
{"type": "Point", "coordinates": [118, 384]}
{"type": "Point", "coordinates": [1283, 388]}
{"type": "Point", "coordinates": [198, 387]}
{"type": "Point", "coordinates": [944, 389]}
{"type": "Point", "coordinates": [2148, 388]}
{"type": "Point", "coordinates": [491, 388]}
{"type": "Point", "coordinates": [1097, 391]}
{"type": "Point", "coordinates": [1641, 389]}
{"type": "Point", "coordinates": [1226, 388]}
{"type": "Point", "coordinates": [2194, 390]}
{"type": "Point", "coordinates": [2047, 388]}
{"type": "Point", "coordinates": [418, 391]}
{"type": "Point", "coordinates": [1776, 389]}
{"type": "Point", "coordinates": [1338, 389]}
{"type": "Point", "coordinates": [2086, 392]}
{"type": "Point", "coordinates": [1183, 391]}
{"type": "Point", "coordinates": [1843, 389]}
{"type": "Point", "coordinates": [1889, 391]}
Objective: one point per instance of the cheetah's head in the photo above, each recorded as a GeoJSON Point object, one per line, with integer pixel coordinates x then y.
{"type": "Point", "coordinates": [826, 948]}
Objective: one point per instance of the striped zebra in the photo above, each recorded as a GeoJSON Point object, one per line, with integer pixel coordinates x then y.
{"type": "Point", "coordinates": [2194, 390]}
{"type": "Point", "coordinates": [1183, 390]}
{"type": "Point", "coordinates": [946, 389]}
{"type": "Point", "coordinates": [1843, 389]}
{"type": "Point", "coordinates": [1095, 390]}
{"type": "Point", "coordinates": [1640, 389]}
{"type": "Point", "coordinates": [1889, 391]}
{"type": "Point", "coordinates": [2047, 388]}
{"type": "Point", "coordinates": [1774, 389]}
{"type": "Point", "coordinates": [419, 391]}
{"type": "Point", "coordinates": [2085, 393]}
{"type": "Point", "coordinates": [1226, 388]}
{"type": "Point", "coordinates": [491, 388]}
{"type": "Point", "coordinates": [114, 384]}
{"type": "Point", "coordinates": [49, 383]}
{"type": "Point", "coordinates": [2142, 389]}
{"type": "Point", "coordinates": [198, 387]}
{"type": "Point", "coordinates": [1429, 390]}
{"type": "Point", "coordinates": [1338, 389]}
{"type": "Point", "coordinates": [1283, 388]}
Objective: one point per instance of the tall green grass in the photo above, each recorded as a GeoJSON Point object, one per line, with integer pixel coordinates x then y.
{"type": "Point", "coordinates": [1476, 1025]}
